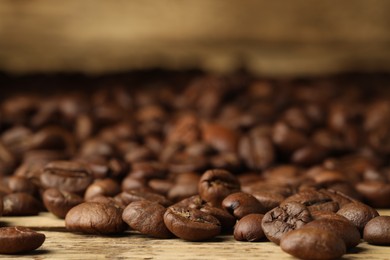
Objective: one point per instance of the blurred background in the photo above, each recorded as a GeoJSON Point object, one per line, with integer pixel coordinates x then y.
{"type": "Point", "coordinates": [269, 37]}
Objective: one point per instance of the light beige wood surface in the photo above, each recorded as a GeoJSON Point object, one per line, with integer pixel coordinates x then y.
{"type": "Point", "coordinates": [61, 244]}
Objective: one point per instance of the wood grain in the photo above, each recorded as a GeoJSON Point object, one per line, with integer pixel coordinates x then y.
{"type": "Point", "coordinates": [272, 37]}
{"type": "Point", "coordinates": [61, 244]}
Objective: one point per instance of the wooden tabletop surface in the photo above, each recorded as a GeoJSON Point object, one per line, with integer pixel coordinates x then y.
{"type": "Point", "coordinates": [61, 244]}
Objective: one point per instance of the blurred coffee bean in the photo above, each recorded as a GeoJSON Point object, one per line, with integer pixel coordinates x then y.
{"type": "Point", "coordinates": [215, 185]}
{"type": "Point", "coordinates": [60, 202]}
{"type": "Point", "coordinates": [68, 176]}
{"type": "Point", "coordinates": [21, 204]}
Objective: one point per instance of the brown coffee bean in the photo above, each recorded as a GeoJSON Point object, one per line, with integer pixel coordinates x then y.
{"type": "Point", "coordinates": [249, 228]}
{"type": "Point", "coordinates": [95, 218]}
{"type": "Point", "coordinates": [358, 213]}
{"type": "Point", "coordinates": [225, 218]}
{"type": "Point", "coordinates": [311, 243]}
{"type": "Point", "coordinates": [60, 202]}
{"type": "Point", "coordinates": [147, 170]}
{"type": "Point", "coordinates": [283, 219]}
{"type": "Point", "coordinates": [147, 217]}
{"type": "Point", "coordinates": [377, 231]}
{"type": "Point", "coordinates": [130, 183]}
{"type": "Point", "coordinates": [182, 191]}
{"type": "Point", "coordinates": [194, 202]}
{"type": "Point", "coordinates": [105, 187]}
{"type": "Point", "coordinates": [161, 186]}
{"type": "Point", "coordinates": [215, 185]}
{"type": "Point", "coordinates": [288, 139]}
{"type": "Point", "coordinates": [314, 200]}
{"type": "Point", "coordinates": [257, 151]}
{"type": "Point", "coordinates": [219, 137]}
{"type": "Point", "coordinates": [126, 197]}
{"type": "Point", "coordinates": [15, 240]}
{"type": "Point", "coordinates": [20, 204]}
{"type": "Point", "coordinates": [376, 193]}
{"type": "Point", "coordinates": [268, 199]}
{"type": "Point", "coordinates": [69, 176]}
{"type": "Point", "coordinates": [241, 204]}
{"type": "Point", "coordinates": [342, 228]}
{"type": "Point", "coordinates": [191, 224]}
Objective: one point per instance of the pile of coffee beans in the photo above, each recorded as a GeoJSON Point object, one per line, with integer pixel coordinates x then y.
{"type": "Point", "coordinates": [299, 162]}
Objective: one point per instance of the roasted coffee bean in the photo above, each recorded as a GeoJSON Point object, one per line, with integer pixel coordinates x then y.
{"type": "Point", "coordinates": [283, 219]}
{"type": "Point", "coordinates": [60, 202]}
{"type": "Point", "coordinates": [147, 217]}
{"type": "Point", "coordinates": [219, 137]}
{"type": "Point", "coordinates": [241, 204]}
{"type": "Point", "coordinates": [257, 151]}
{"type": "Point", "coordinates": [288, 139]}
{"type": "Point", "coordinates": [225, 218]}
{"type": "Point", "coordinates": [376, 193]}
{"type": "Point", "coordinates": [314, 200]}
{"type": "Point", "coordinates": [20, 204]}
{"type": "Point", "coordinates": [147, 170]}
{"type": "Point", "coordinates": [105, 187]}
{"type": "Point", "coordinates": [194, 202]}
{"type": "Point", "coordinates": [191, 224]}
{"type": "Point", "coordinates": [182, 191]}
{"type": "Point", "coordinates": [162, 186]}
{"type": "Point", "coordinates": [342, 228]}
{"type": "Point", "coordinates": [215, 185]}
{"type": "Point", "coordinates": [95, 218]}
{"type": "Point", "coordinates": [377, 231]}
{"type": "Point", "coordinates": [358, 213]}
{"type": "Point", "coordinates": [312, 243]}
{"type": "Point", "coordinates": [126, 197]}
{"type": "Point", "coordinates": [69, 176]}
{"type": "Point", "coordinates": [268, 199]}
{"type": "Point", "coordinates": [249, 228]}
{"type": "Point", "coordinates": [15, 240]}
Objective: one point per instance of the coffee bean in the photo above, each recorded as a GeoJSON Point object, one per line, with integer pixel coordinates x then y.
{"type": "Point", "coordinates": [147, 217]}
{"type": "Point", "coordinates": [15, 240]}
{"type": "Point", "coordinates": [105, 187]}
{"type": "Point", "coordinates": [358, 213]}
{"type": "Point", "coordinates": [241, 204]}
{"type": "Point", "coordinates": [344, 229]}
{"type": "Point", "coordinates": [257, 151]}
{"type": "Point", "coordinates": [215, 185]}
{"type": "Point", "coordinates": [20, 204]}
{"type": "Point", "coordinates": [225, 218]}
{"type": "Point", "coordinates": [219, 137]}
{"type": "Point", "coordinates": [191, 224]}
{"type": "Point", "coordinates": [377, 231]}
{"type": "Point", "coordinates": [268, 199]}
{"type": "Point", "coordinates": [311, 243]}
{"type": "Point", "coordinates": [69, 176]}
{"type": "Point", "coordinates": [126, 197]}
{"type": "Point", "coordinates": [376, 193]}
{"type": "Point", "coordinates": [283, 219]}
{"type": "Point", "coordinates": [60, 202]}
{"type": "Point", "coordinates": [95, 218]}
{"type": "Point", "coordinates": [314, 200]}
{"type": "Point", "coordinates": [249, 228]}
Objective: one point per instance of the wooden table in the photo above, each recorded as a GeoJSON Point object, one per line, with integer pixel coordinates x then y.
{"type": "Point", "coordinates": [61, 244]}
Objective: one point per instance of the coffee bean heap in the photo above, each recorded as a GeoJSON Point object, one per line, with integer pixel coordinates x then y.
{"type": "Point", "coordinates": [301, 163]}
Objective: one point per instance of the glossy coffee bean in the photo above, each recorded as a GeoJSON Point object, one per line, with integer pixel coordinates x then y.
{"type": "Point", "coordinates": [69, 176]}
{"type": "Point", "coordinates": [314, 200]}
{"type": "Point", "coordinates": [60, 202]}
{"type": "Point", "coordinates": [249, 228]}
{"type": "Point", "coordinates": [215, 185]}
{"type": "Point", "coordinates": [15, 240]}
{"type": "Point", "coordinates": [358, 213]}
{"type": "Point", "coordinates": [95, 218]}
{"type": "Point", "coordinates": [283, 219]}
{"type": "Point", "coordinates": [127, 197]}
{"type": "Point", "coordinates": [191, 224]}
{"type": "Point", "coordinates": [241, 204]}
{"type": "Point", "coordinates": [225, 218]}
{"type": "Point", "coordinates": [377, 231]}
{"type": "Point", "coordinates": [342, 228]}
{"type": "Point", "coordinates": [311, 243]}
{"type": "Point", "coordinates": [20, 204]}
{"type": "Point", "coordinates": [147, 217]}
{"type": "Point", "coordinates": [104, 187]}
